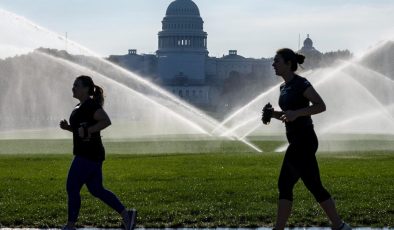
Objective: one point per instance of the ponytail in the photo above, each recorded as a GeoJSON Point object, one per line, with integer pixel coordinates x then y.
{"type": "Point", "coordinates": [98, 95]}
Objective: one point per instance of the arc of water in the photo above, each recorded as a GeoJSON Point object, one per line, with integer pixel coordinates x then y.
{"type": "Point", "coordinates": [374, 72]}
{"type": "Point", "coordinates": [84, 69]}
{"type": "Point", "coordinates": [225, 121]}
{"type": "Point", "coordinates": [237, 127]}
{"type": "Point", "coordinates": [248, 143]}
{"type": "Point", "coordinates": [387, 114]}
{"type": "Point", "coordinates": [283, 147]}
{"type": "Point", "coordinates": [191, 123]}
{"type": "Point", "coordinates": [352, 119]}
{"type": "Point", "coordinates": [141, 80]}
{"type": "Point", "coordinates": [382, 107]}
{"type": "Point", "coordinates": [154, 87]}
{"type": "Point", "coordinates": [323, 79]}
{"type": "Point", "coordinates": [329, 76]}
{"type": "Point", "coordinates": [251, 130]}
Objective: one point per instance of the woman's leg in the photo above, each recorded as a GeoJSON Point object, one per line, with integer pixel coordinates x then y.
{"type": "Point", "coordinates": [77, 176]}
{"type": "Point", "coordinates": [283, 213]}
{"type": "Point", "coordinates": [96, 188]}
{"type": "Point", "coordinates": [310, 175]}
{"type": "Point", "coordinates": [311, 179]}
{"type": "Point", "coordinates": [329, 208]}
{"type": "Point", "coordinates": [287, 179]}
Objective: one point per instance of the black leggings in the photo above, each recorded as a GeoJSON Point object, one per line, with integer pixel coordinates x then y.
{"type": "Point", "coordinates": [300, 162]}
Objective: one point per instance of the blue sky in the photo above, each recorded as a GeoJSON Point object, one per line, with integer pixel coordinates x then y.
{"type": "Point", "coordinates": [256, 28]}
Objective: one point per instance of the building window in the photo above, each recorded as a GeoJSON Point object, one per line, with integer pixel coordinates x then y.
{"type": "Point", "coordinates": [180, 93]}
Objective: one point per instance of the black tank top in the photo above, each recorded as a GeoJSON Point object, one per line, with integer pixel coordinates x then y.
{"type": "Point", "coordinates": [291, 98]}
{"type": "Point", "coordinates": [91, 148]}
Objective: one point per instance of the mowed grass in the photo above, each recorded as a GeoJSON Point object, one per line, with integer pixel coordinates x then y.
{"type": "Point", "coordinates": [225, 188]}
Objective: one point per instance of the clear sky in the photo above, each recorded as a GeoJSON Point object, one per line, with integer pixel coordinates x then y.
{"type": "Point", "coordinates": [256, 28]}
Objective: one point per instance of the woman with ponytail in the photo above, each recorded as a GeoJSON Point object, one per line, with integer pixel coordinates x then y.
{"type": "Point", "coordinates": [298, 100]}
{"type": "Point", "coordinates": [86, 121]}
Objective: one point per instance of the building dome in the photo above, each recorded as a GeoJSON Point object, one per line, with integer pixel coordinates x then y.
{"type": "Point", "coordinates": [182, 44]}
{"type": "Point", "coordinates": [308, 43]}
{"type": "Point", "coordinates": [182, 28]}
{"type": "Point", "coordinates": [183, 8]}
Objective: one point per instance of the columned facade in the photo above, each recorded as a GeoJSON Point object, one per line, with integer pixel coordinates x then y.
{"type": "Point", "coordinates": [182, 47]}
{"type": "Point", "coordinates": [182, 66]}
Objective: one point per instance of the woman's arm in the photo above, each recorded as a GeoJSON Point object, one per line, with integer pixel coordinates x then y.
{"type": "Point", "coordinates": [317, 106]}
{"type": "Point", "coordinates": [102, 119]}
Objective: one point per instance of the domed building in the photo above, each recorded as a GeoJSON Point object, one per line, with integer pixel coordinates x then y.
{"type": "Point", "coordinates": [182, 65]}
{"type": "Point", "coordinates": [182, 43]}
{"type": "Point", "coordinates": [312, 55]}
{"type": "Point", "coordinates": [183, 51]}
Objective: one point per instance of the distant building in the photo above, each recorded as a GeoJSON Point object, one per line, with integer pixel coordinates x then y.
{"type": "Point", "coordinates": [313, 56]}
{"type": "Point", "coordinates": [315, 59]}
{"type": "Point", "coordinates": [182, 65]}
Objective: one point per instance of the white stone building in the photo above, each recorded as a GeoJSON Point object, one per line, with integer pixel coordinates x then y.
{"type": "Point", "coordinates": [182, 64]}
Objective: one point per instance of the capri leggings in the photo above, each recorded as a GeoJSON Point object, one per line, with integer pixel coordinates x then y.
{"type": "Point", "coordinates": [84, 171]}
{"type": "Point", "coordinates": [300, 162]}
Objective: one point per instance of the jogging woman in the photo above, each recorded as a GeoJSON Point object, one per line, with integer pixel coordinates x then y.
{"type": "Point", "coordinates": [86, 121]}
{"type": "Point", "coordinates": [298, 100]}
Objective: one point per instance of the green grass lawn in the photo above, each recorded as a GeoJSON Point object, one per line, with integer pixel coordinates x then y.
{"type": "Point", "coordinates": [229, 187]}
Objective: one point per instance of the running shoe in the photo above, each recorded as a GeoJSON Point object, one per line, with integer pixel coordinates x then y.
{"type": "Point", "coordinates": [130, 222]}
{"type": "Point", "coordinates": [344, 226]}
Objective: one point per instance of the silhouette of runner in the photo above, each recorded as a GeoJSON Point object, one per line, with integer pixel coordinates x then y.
{"type": "Point", "coordinates": [296, 94]}
{"type": "Point", "coordinates": [86, 121]}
